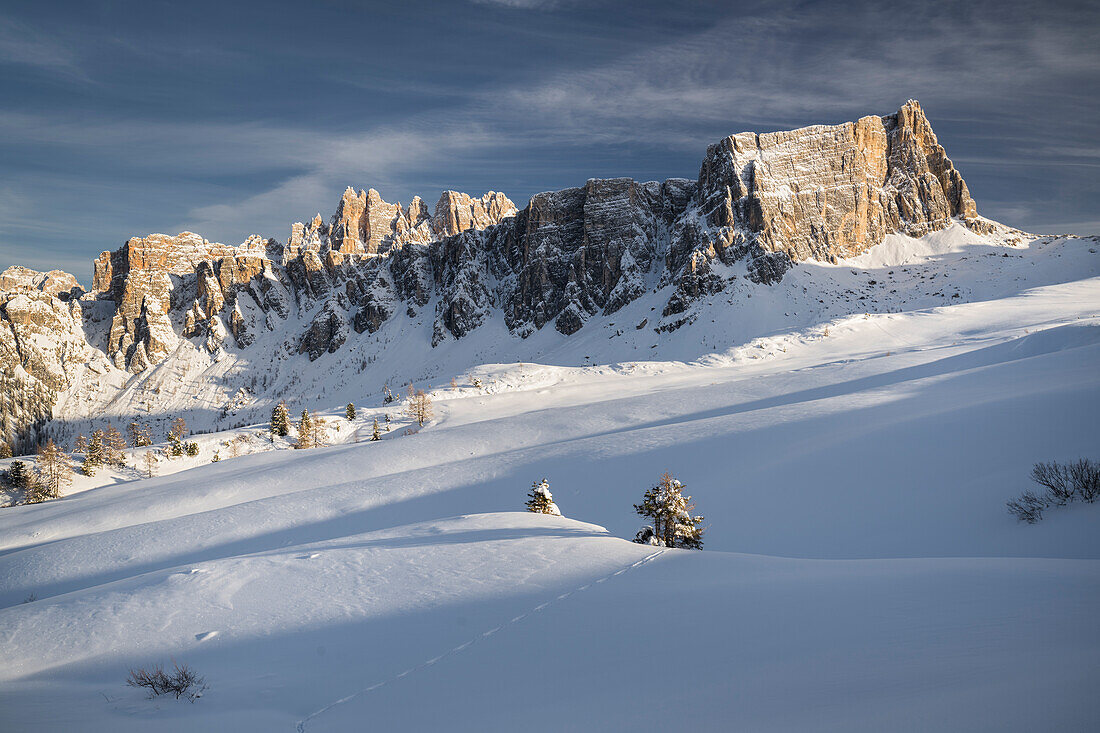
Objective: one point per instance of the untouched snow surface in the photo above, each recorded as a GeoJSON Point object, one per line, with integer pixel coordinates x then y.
{"type": "Point", "coordinates": [860, 572]}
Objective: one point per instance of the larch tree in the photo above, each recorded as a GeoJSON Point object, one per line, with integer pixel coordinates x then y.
{"type": "Point", "coordinates": [375, 435]}
{"type": "Point", "coordinates": [349, 412]}
{"type": "Point", "coordinates": [114, 445]}
{"type": "Point", "coordinates": [540, 500]}
{"type": "Point", "coordinates": [55, 470]}
{"type": "Point", "coordinates": [420, 406]}
{"type": "Point", "coordinates": [175, 437]}
{"type": "Point", "coordinates": [81, 444]}
{"type": "Point", "coordinates": [280, 420]}
{"type": "Point", "coordinates": [305, 431]}
{"type": "Point", "coordinates": [318, 432]}
{"type": "Point", "coordinates": [674, 525]}
{"type": "Point", "coordinates": [178, 429]}
{"type": "Point", "coordinates": [149, 463]}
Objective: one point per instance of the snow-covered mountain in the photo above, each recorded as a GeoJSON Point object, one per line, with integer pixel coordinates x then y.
{"type": "Point", "coordinates": [859, 571]}
{"type": "Point", "coordinates": [848, 368]}
{"type": "Point", "coordinates": [384, 293]}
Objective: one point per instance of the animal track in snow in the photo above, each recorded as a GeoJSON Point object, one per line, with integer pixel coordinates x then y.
{"type": "Point", "coordinates": [301, 725]}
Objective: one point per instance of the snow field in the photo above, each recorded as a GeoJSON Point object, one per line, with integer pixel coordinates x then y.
{"type": "Point", "coordinates": [860, 571]}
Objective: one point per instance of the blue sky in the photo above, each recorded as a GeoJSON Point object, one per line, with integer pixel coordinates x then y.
{"type": "Point", "coordinates": [229, 118]}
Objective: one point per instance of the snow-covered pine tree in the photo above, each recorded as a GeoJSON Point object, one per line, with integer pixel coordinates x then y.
{"type": "Point", "coordinates": [305, 431]}
{"type": "Point", "coordinates": [349, 412]}
{"type": "Point", "coordinates": [540, 500]}
{"type": "Point", "coordinates": [5, 450]}
{"type": "Point", "coordinates": [671, 512]}
{"type": "Point", "coordinates": [81, 444]}
{"type": "Point", "coordinates": [375, 435]}
{"type": "Point", "coordinates": [280, 420]}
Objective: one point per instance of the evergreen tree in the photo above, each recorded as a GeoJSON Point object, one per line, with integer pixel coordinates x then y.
{"type": "Point", "coordinates": [54, 468]}
{"type": "Point", "coordinates": [375, 435]}
{"type": "Point", "coordinates": [671, 513]}
{"type": "Point", "coordinates": [81, 444]}
{"type": "Point", "coordinates": [305, 431]}
{"type": "Point", "coordinates": [280, 420]}
{"type": "Point", "coordinates": [19, 476]}
{"type": "Point", "coordinates": [540, 500]}
{"type": "Point", "coordinates": [349, 412]}
{"type": "Point", "coordinates": [94, 453]}
{"type": "Point", "coordinates": [5, 450]}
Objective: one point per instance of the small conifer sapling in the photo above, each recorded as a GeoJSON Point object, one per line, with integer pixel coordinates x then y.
{"type": "Point", "coordinates": [540, 500]}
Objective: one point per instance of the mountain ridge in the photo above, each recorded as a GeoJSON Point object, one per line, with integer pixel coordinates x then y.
{"type": "Point", "coordinates": [766, 200]}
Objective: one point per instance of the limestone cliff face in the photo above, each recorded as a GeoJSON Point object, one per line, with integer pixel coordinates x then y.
{"type": "Point", "coordinates": [761, 204]}
{"type": "Point", "coordinates": [150, 279]}
{"type": "Point", "coordinates": [824, 192]}
{"type": "Point", "coordinates": [43, 348]}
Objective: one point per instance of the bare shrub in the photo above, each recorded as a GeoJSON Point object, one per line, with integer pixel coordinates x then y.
{"type": "Point", "coordinates": [1054, 477]}
{"type": "Point", "coordinates": [1028, 508]}
{"type": "Point", "coordinates": [181, 681]}
{"type": "Point", "coordinates": [1084, 476]}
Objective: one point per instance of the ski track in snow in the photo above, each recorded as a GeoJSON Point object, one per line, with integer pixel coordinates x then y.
{"type": "Point", "coordinates": [301, 725]}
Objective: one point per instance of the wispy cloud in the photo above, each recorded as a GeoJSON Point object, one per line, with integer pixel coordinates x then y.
{"type": "Point", "coordinates": [610, 85]}
{"type": "Point", "coordinates": [22, 45]}
{"type": "Point", "coordinates": [526, 4]}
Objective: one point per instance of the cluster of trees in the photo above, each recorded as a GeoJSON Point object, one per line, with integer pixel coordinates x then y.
{"type": "Point", "coordinates": [1060, 484]}
{"type": "Point", "coordinates": [52, 472]}
{"type": "Point", "coordinates": [53, 467]}
{"type": "Point", "coordinates": [664, 504]}
{"type": "Point", "coordinates": [176, 434]}
{"type": "Point", "coordinates": [104, 448]}
{"type": "Point", "coordinates": [312, 431]}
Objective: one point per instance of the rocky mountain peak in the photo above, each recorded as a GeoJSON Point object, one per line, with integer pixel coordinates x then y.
{"type": "Point", "coordinates": [765, 200]}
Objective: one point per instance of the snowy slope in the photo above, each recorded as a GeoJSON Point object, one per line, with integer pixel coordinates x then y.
{"type": "Point", "coordinates": [859, 573]}
{"type": "Point", "coordinates": [232, 388]}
